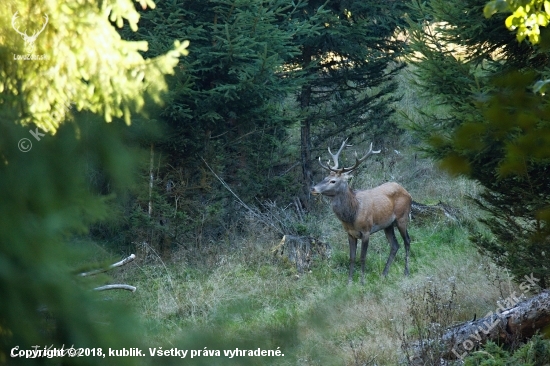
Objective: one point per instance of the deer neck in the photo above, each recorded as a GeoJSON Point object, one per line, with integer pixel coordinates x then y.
{"type": "Point", "coordinates": [345, 205]}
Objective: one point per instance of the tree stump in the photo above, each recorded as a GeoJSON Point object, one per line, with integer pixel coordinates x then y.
{"type": "Point", "coordinates": [300, 250]}
{"type": "Point", "coordinates": [421, 212]}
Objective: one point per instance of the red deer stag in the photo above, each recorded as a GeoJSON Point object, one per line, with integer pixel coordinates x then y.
{"type": "Point", "coordinates": [364, 212]}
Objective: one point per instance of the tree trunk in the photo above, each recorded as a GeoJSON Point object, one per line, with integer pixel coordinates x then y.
{"type": "Point", "coordinates": [305, 135]}
{"type": "Point", "coordinates": [307, 176]}
{"type": "Point", "coordinates": [152, 155]}
{"type": "Point", "coordinates": [504, 326]}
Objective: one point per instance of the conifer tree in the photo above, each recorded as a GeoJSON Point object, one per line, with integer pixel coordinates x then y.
{"type": "Point", "coordinates": [490, 125]}
{"type": "Point", "coordinates": [349, 64]}
{"type": "Point", "coordinates": [230, 102]}
{"type": "Point", "coordinates": [60, 63]}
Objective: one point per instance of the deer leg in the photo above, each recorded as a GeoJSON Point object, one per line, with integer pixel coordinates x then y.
{"type": "Point", "coordinates": [352, 251]}
{"type": "Point", "coordinates": [394, 247]}
{"type": "Point", "coordinates": [364, 247]}
{"type": "Point", "coordinates": [407, 240]}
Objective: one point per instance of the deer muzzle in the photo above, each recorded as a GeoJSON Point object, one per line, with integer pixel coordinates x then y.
{"type": "Point", "coordinates": [314, 190]}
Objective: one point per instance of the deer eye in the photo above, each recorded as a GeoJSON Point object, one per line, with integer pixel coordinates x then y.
{"type": "Point", "coordinates": [333, 181]}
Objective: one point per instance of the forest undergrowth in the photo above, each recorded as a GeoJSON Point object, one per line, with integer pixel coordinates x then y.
{"type": "Point", "coordinates": [235, 293]}
{"type": "Point", "coordinates": [238, 289]}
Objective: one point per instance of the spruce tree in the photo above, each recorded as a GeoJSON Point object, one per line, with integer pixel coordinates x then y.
{"type": "Point", "coordinates": [349, 65]}
{"type": "Point", "coordinates": [230, 103]}
{"type": "Point", "coordinates": [489, 124]}
{"type": "Point", "coordinates": [51, 84]}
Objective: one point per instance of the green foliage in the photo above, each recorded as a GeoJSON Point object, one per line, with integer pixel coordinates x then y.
{"type": "Point", "coordinates": [45, 201]}
{"type": "Point", "coordinates": [526, 19]}
{"type": "Point", "coordinates": [229, 107]}
{"type": "Point", "coordinates": [510, 155]}
{"type": "Point", "coordinates": [349, 64]}
{"type": "Point", "coordinates": [490, 127]}
{"type": "Point", "coordinates": [535, 352]}
{"type": "Point", "coordinates": [228, 102]}
{"type": "Point", "coordinates": [77, 59]}
{"type": "Point", "coordinates": [96, 71]}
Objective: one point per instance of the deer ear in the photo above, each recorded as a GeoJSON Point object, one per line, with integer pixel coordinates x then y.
{"type": "Point", "coordinates": [347, 176]}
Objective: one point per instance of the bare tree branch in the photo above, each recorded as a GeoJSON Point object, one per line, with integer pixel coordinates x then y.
{"type": "Point", "coordinates": [117, 264]}
{"type": "Point", "coordinates": [115, 287]}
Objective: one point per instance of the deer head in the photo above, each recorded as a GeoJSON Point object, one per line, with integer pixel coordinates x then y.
{"type": "Point", "coordinates": [337, 179]}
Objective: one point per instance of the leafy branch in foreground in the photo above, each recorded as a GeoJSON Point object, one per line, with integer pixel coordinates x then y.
{"type": "Point", "coordinates": [45, 192]}
{"type": "Point", "coordinates": [526, 19]}
{"type": "Point", "coordinates": [95, 71]}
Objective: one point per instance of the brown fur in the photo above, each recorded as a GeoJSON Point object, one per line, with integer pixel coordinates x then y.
{"type": "Point", "coordinates": [364, 212]}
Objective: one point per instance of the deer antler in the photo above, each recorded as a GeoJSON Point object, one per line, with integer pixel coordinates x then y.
{"type": "Point", "coordinates": [334, 158]}
{"type": "Point", "coordinates": [359, 161]}
{"type": "Point", "coordinates": [337, 155]}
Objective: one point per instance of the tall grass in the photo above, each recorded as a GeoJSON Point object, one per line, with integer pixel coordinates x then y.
{"type": "Point", "coordinates": [238, 294]}
{"type": "Point", "coordinates": [243, 295]}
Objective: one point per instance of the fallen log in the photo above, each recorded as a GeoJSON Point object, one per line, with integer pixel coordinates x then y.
{"type": "Point", "coordinates": [502, 326]}
{"type": "Point", "coordinates": [421, 212]}
{"type": "Point", "coordinates": [126, 260]}
{"type": "Point", "coordinates": [114, 265]}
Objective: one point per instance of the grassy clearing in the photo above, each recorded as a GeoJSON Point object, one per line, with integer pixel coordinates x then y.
{"type": "Point", "coordinates": [243, 296]}
{"type": "Point", "coordinates": [238, 295]}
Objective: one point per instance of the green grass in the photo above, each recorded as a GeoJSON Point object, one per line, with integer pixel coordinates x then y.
{"type": "Point", "coordinates": [241, 296]}
{"type": "Point", "coordinates": [315, 317]}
